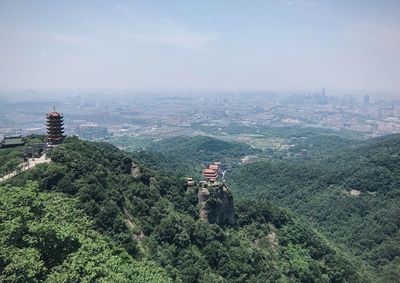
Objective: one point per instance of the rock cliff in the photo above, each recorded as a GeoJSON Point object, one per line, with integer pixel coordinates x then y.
{"type": "Point", "coordinates": [216, 204]}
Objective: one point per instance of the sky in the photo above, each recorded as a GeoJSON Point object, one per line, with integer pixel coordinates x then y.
{"type": "Point", "coordinates": [235, 45]}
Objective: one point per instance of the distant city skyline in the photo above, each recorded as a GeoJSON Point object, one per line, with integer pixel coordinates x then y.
{"type": "Point", "coordinates": [276, 45]}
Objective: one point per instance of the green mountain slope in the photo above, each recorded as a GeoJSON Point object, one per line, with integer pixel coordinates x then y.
{"type": "Point", "coordinates": [352, 195]}
{"type": "Point", "coordinates": [187, 155]}
{"type": "Point", "coordinates": [44, 237]}
{"type": "Point", "coordinates": [201, 147]}
{"type": "Point", "coordinates": [154, 218]}
{"type": "Point", "coordinates": [10, 158]}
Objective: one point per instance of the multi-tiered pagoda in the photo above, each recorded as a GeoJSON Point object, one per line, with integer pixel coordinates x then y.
{"type": "Point", "coordinates": [55, 127]}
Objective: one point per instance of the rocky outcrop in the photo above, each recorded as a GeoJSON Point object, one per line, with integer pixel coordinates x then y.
{"type": "Point", "coordinates": [216, 204]}
{"type": "Point", "coordinates": [203, 195]}
{"type": "Point", "coordinates": [130, 224]}
{"type": "Point", "coordinates": [135, 170]}
{"type": "Point", "coordinates": [273, 239]}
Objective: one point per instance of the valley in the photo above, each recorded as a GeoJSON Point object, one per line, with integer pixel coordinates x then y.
{"type": "Point", "coordinates": [154, 218]}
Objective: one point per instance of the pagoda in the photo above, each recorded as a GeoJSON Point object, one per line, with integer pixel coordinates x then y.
{"type": "Point", "coordinates": [55, 127]}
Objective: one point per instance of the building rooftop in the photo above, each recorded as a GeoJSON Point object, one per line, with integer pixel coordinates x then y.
{"type": "Point", "coordinates": [12, 141]}
{"type": "Point", "coordinates": [54, 114]}
{"type": "Point", "coordinates": [209, 171]}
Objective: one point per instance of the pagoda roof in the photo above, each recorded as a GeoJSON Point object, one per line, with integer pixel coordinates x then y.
{"type": "Point", "coordinates": [215, 174]}
{"type": "Point", "coordinates": [54, 114]}
{"type": "Point", "coordinates": [209, 171]}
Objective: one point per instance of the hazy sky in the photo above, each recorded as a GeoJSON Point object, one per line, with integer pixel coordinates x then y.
{"type": "Point", "coordinates": [231, 45]}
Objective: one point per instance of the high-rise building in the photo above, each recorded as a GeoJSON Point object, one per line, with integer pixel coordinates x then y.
{"type": "Point", "coordinates": [366, 99]}
{"type": "Point", "coordinates": [55, 127]}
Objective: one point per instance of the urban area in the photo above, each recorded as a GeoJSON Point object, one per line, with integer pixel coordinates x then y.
{"type": "Point", "coordinates": [96, 117]}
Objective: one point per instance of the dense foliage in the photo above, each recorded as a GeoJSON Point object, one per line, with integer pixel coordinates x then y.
{"type": "Point", "coordinates": [353, 195]}
{"type": "Point", "coordinates": [167, 163]}
{"type": "Point", "coordinates": [188, 155]}
{"type": "Point", "coordinates": [202, 148]}
{"type": "Point", "coordinates": [318, 145]}
{"type": "Point", "coordinates": [131, 143]}
{"type": "Point", "coordinates": [44, 237]}
{"type": "Point", "coordinates": [149, 217]}
{"type": "Point", "coordinates": [10, 158]}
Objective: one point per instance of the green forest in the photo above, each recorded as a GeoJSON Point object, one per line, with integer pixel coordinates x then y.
{"type": "Point", "coordinates": [188, 155]}
{"type": "Point", "coordinates": [85, 217]}
{"type": "Point", "coordinates": [46, 237]}
{"type": "Point", "coordinates": [10, 158]}
{"type": "Point", "coordinates": [352, 195]}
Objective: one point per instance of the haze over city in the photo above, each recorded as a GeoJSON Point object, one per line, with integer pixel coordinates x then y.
{"type": "Point", "coordinates": [304, 45]}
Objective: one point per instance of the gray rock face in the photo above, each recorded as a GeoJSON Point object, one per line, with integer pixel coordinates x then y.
{"type": "Point", "coordinates": [135, 170]}
{"type": "Point", "coordinates": [216, 204]}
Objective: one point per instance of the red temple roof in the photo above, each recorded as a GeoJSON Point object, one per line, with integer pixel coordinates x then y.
{"type": "Point", "coordinates": [54, 114]}
{"type": "Point", "coordinates": [213, 166]}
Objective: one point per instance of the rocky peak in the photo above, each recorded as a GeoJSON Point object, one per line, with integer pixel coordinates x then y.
{"type": "Point", "coordinates": [216, 204]}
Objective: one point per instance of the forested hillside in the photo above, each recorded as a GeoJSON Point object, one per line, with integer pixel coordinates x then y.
{"type": "Point", "coordinates": [10, 158]}
{"type": "Point", "coordinates": [44, 237]}
{"type": "Point", "coordinates": [88, 216]}
{"type": "Point", "coordinates": [202, 148]}
{"type": "Point", "coordinates": [353, 195]}
{"type": "Point", "coordinates": [187, 155]}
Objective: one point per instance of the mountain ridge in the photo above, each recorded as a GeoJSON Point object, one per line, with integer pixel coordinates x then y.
{"type": "Point", "coordinates": [165, 214]}
{"type": "Point", "coordinates": [352, 195]}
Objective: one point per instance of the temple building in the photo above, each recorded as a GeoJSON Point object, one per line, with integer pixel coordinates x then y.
{"type": "Point", "coordinates": [212, 172]}
{"type": "Point", "coordinates": [12, 141]}
{"type": "Point", "coordinates": [55, 127]}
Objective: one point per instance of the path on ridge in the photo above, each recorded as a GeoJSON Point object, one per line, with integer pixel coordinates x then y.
{"type": "Point", "coordinates": [32, 162]}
